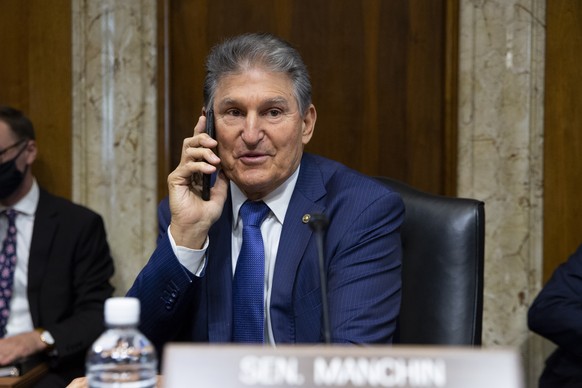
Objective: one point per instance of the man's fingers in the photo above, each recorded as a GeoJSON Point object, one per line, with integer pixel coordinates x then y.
{"type": "Point", "coordinates": [200, 126]}
{"type": "Point", "coordinates": [80, 382]}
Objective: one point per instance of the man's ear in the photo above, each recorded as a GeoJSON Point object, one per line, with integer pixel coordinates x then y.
{"type": "Point", "coordinates": [309, 124]}
{"type": "Point", "coordinates": [31, 151]}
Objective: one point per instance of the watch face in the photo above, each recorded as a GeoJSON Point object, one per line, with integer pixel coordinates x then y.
{"type": "Point", "coordinates": [47, 338]}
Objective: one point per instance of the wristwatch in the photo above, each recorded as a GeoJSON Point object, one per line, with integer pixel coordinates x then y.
{"type": "Point", "coordinates": [46, 337]}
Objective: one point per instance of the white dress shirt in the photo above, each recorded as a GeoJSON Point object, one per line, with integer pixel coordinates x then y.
{"type": "Point", "coordinates": [20, 320]}
{"type": "Point", "coordinates": [278, 201]}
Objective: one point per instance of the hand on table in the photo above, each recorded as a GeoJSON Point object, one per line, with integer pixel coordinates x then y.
{"type": "Point", "coordinates": [19, 346]}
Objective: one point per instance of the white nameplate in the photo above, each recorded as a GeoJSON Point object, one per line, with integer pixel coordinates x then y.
{"type": "Point", "coordinates": [232, 366]}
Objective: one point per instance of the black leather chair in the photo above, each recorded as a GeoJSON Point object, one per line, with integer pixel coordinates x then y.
{"type": "Point", "coordinates": [442, 268]}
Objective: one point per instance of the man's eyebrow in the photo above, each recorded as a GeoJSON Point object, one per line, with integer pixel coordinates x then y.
{"type": "Point", "coordinates": [276, 100]}
{"type": "Point", "coordinates": [227, 101]}
{"type": "Point", "coordinates": [270, 101]}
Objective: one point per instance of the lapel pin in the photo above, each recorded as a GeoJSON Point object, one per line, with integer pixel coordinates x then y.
{"type": "Point", "coordinates": [306, 218]}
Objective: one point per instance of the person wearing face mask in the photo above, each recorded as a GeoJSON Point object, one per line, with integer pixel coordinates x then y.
{"type": "Point", "coordinates": [55, 264]}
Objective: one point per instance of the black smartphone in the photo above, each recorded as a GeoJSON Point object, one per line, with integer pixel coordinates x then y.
{"type": "Point", "coordinates": [207, 177]}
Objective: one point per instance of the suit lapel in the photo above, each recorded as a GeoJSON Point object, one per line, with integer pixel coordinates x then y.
{"type": "Point", "coordinates": [295, 236]}
{"type": "Point", "coordinates": [44, 229]}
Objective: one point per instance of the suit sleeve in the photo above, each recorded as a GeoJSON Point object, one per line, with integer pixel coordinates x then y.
{"type": "Point", "coordinates": [556, 312]}
{"type": "Point", "coordinates": [364, 274]}
{"type": "Point", "coordinates": [164, 288]}
{"type": "Point", "coordinates": [92, 268]}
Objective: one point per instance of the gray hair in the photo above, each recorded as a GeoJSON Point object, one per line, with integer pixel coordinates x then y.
{"type": "Point", "coordinates": [246, 51]}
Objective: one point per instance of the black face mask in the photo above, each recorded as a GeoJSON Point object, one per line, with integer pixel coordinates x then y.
{"type": "Point", "coordinates": [10, 176]}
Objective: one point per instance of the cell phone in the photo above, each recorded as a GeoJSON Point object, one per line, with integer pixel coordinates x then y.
{"type": "Point", "coordinates": [206, 178]}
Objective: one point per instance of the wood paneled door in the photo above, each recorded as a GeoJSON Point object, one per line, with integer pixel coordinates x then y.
{"type": "Point", "coordinates": [35, 77]}
{"type": "Point", "coordinates": [383, 73]}
{"type": "Point", "coordinates": [562, 132]}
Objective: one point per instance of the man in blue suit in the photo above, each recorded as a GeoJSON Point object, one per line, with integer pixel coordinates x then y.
{"type": "Point", "coordinates": [556, 314]}
{"type": "Point", "coordinates": [259, 89]}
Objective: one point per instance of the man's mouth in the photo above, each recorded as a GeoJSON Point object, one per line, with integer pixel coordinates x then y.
{"type": "Point", "coordinates": [253, 158]}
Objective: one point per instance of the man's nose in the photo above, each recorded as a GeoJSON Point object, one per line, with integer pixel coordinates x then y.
{"type": "Point", "coordinates": [252, 132]}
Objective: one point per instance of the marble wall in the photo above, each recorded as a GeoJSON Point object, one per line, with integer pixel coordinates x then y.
{"type": "Point", "coordinates": [114, 124]}
{"type": "Point", "coordinates": [500, 158]}
{"type": "Point", "coordinates": [500, 142]}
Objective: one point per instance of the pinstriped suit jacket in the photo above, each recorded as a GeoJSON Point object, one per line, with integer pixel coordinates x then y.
{"type": "Point", "coordinates": [363, 263]}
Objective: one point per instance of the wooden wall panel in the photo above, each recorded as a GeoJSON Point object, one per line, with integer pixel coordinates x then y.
{"type": "Point", "coordinates": [563, 132]}
{"type": "Point", "coordinates": [381, 84]}
{"type": "Point", "coordinates": [35, 77]}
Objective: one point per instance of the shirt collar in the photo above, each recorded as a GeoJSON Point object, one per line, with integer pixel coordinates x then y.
{"type": "Point", "coordinates": [28, 204]}
{"type": "Point", "coordinates": [278, 200]}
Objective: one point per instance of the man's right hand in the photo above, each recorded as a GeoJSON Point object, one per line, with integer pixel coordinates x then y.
{"type": "Point", "coordinates": [192, 217]}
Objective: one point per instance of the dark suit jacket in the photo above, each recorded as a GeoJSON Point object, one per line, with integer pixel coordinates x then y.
{"type": "Point", "coordinates": [68, 279]}
{"type": "Point", "coordinates": [556, 314]}
{"type": "Point", "coordinates": [363, 263]}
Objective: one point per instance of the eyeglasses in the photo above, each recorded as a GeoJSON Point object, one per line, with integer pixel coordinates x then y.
{"type": "Point", "coordinates": [19, 142]}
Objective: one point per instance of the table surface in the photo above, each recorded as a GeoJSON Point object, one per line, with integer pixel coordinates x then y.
{"type": "Point", "coordinates": [26, 380]}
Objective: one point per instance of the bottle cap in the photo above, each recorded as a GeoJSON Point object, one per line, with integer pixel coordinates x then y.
{"type": "Point", "coordinates": [122, 311]}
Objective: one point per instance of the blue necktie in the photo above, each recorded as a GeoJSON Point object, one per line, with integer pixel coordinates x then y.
{"type": "Point", "coordinates": [249, 277]}
{"type": "Point", "coordinates": [7, 265]}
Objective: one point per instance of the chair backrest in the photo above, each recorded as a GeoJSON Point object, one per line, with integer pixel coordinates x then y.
{"type": "Point", "coordinates": [442, 268]}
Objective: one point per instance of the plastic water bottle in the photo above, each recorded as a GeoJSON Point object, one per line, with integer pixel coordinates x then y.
{"type": "Point", "coordinates": [122, 356]}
